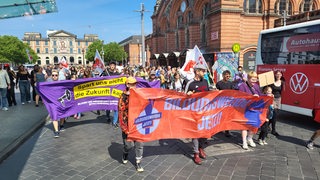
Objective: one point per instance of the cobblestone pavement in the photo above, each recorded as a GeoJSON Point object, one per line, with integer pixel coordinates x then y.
{"type": "Point", "coordinates": [90, 148]}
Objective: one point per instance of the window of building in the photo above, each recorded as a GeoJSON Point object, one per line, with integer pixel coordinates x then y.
{"type": "Point", "coordinates": [47, 50]}
{"type": "Point", "coordinates": [39, 61]}
{"type": "Point", "coordinates": [55, 60]}
{"type": "Point", "coordinates": [79, 51]}
{"type": "Point", "coordinates": [38, 50]}
{"type": "Point", "coordinates": [71, 50]}
{"type": "Point", "coordinates": [37, 43]}
{"type": "Point", "coordinates": [46, 43]}
{"type": "Point", "coordinates": [71, 59]}
{"type": "Point", "coordinates": [70, 43]}
{"type": "Point", "coordinates": [87, 43]}
{"type": "Point", "coordinates": [55, 50]}
{"type": "Point", "coordinates": [189, 19]}
{"type": "Point", "coordinates": [283, 6]}
{"type": "Point", "coordinates": [78, 43]}
{"type": "Point", "coordinates": [252, 6]}
{"type": "Point", "coordinates": [307, 5]}
{"type": "Point", "coordinates": [47, 61]}
{"type": "Point", "coordinates": [54, 43]}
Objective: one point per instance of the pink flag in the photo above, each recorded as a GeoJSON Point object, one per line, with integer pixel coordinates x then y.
{"type": "Point", "coordinates": [98, 63]}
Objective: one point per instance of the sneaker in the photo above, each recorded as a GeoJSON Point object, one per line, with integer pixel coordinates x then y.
{"type": "Point", "coordinates": [115, 126]}
{"type": "Point", "coordinates": [37, 105]}
{"type": "Point", "coordinates": [56, 134]}
{"type": "Point", "coordinates": [23, 103]}
{"type": "Point", "coordinates": [245, 146]}
{"type": "Point", "coordinates": [61, 128]}
{"type": "Point", "coordinates": [251, 143]}
{"type": "Point", "coordinates": [29, 102]}
{"type": "Point", "coordinates": [264, 142]}
{"type": "Point", "coordinates": [310, 145]}
{"type": "Point", "coordinates": [5, 108]}
{"type": "Point", "coordinates": [139, 168]}
{"type": "Point", "coordinates": [125, 158]}
{"type": "Point", "coordinates": [261, 142]}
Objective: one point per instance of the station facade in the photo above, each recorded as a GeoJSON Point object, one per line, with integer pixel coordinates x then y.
{"type": "Point", "coordinates": [215, 25]}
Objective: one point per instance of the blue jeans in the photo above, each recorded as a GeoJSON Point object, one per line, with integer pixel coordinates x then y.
{"type": "Point", "coordinates": [24, 86]}
{"type": "Point", "coordinates": [4, 100]}
{"type": "Point", "coordinates": [115, 117]}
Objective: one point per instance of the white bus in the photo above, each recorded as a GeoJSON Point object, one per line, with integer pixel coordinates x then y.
{"type": "Point", "coordinates": [295, 51]}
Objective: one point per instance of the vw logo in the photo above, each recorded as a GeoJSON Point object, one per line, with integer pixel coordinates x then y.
{"type": "Point", "coordinates": [299, 83]}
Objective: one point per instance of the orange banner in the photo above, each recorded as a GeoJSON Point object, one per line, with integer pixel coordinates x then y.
{"type": "Point", "coordinates": [165, 114]}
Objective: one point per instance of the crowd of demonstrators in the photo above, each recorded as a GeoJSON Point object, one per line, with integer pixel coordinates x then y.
{"type": "Point", "coordinates": [170, 78]}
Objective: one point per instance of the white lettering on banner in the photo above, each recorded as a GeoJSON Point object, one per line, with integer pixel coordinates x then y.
{"type": "Point", "coordinates": [299, 83]}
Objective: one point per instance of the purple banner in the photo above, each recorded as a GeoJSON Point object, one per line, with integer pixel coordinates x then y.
{"type": "Point", "coordinates": [66, 98]}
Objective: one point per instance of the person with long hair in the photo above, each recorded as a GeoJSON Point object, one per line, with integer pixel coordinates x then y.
{"type": "Point", "coordinates": [24, 84]}
{"type": "Point", "coordinates": [277, 87]}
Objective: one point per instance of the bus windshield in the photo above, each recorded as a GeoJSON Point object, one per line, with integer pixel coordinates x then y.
{"type": "Point", "coordinates": [292, 46]}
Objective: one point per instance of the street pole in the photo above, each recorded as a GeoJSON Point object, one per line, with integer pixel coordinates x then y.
{"type": "Point", "coordinates": [284, 17]}
{"type": "Point", "coordinates": [142, 10]}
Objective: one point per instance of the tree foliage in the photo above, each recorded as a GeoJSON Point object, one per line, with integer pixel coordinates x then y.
{"type": "Point", "coordinates": [112, 51]}
{"type": "Point", "coordinates": [14, 50]}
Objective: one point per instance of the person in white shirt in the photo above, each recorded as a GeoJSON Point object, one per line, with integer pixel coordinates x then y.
{"type": "Point", "coordinates": [4, 84]}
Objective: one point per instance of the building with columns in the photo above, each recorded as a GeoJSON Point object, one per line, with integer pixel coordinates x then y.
{"type": "Point", "coordinates": [215, 25]}
{"type": "Point", "coordinates": [58, 44]}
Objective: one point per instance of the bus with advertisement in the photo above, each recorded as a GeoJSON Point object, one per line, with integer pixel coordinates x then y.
{"type": "Point", "coordinates": [295, 51]}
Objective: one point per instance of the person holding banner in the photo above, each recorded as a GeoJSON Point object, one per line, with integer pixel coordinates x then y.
{"type": "Point", "coordinates": [225, 84]}
{"type": "Point", "coordinates": [198, 84]}
{"type": "Point", "coordinates": [55, 123]}
{"type": "Point", "coordinates": [250, 87]}
{"type": "Point", "coordinates": [123, 107]}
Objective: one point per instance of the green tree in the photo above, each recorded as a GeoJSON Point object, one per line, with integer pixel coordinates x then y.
{"type": "Point", "coordinates": [14, 50]}
{"type": "Point", "coordinates": [90, 54]}
{"type": "Point", "coordinates": [112, 51]}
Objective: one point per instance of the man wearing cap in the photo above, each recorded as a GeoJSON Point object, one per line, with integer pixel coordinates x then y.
{"type": "Point", "coordinates": [4, 84]}
{"type": "Point", "coordinates": [123, 107]}
{"type": "Point", "coordinates": [198, 84]}
{"type": "Point", "coordinates": [152, 76]}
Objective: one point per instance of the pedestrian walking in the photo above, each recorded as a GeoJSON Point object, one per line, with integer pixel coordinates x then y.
{"type": "Point", "coordinates": [250, 87]}
{"type": "Point", "coordinates": [11, 96]}
{"type": "Point", "coordinates": [198, 84]}
{"type": "Point", "coordinates": [24, 84]}
{"type": "Point", "coordinates": [314, 136]}
{"type": "Point", "coordinates": [4, 85]}
{"type": "Point", "coordinates": [123, 107]}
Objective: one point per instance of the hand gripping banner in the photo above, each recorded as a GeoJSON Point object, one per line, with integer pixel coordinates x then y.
{"type": "Point", "coordinates": [165, 114]}
{"type": "Point", "coordinates": [66, 98]}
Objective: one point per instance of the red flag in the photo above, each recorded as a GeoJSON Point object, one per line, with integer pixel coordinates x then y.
{"type": "Point", "coordinates": [64, 63]}
{"type": "Point", "coordinates": [98, 63]}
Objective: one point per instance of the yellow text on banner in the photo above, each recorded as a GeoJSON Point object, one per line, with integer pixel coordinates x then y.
{"type": "Point", "coordinates": [100, 83]}
{"type": "Point", "coordinates": [91, 93]}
